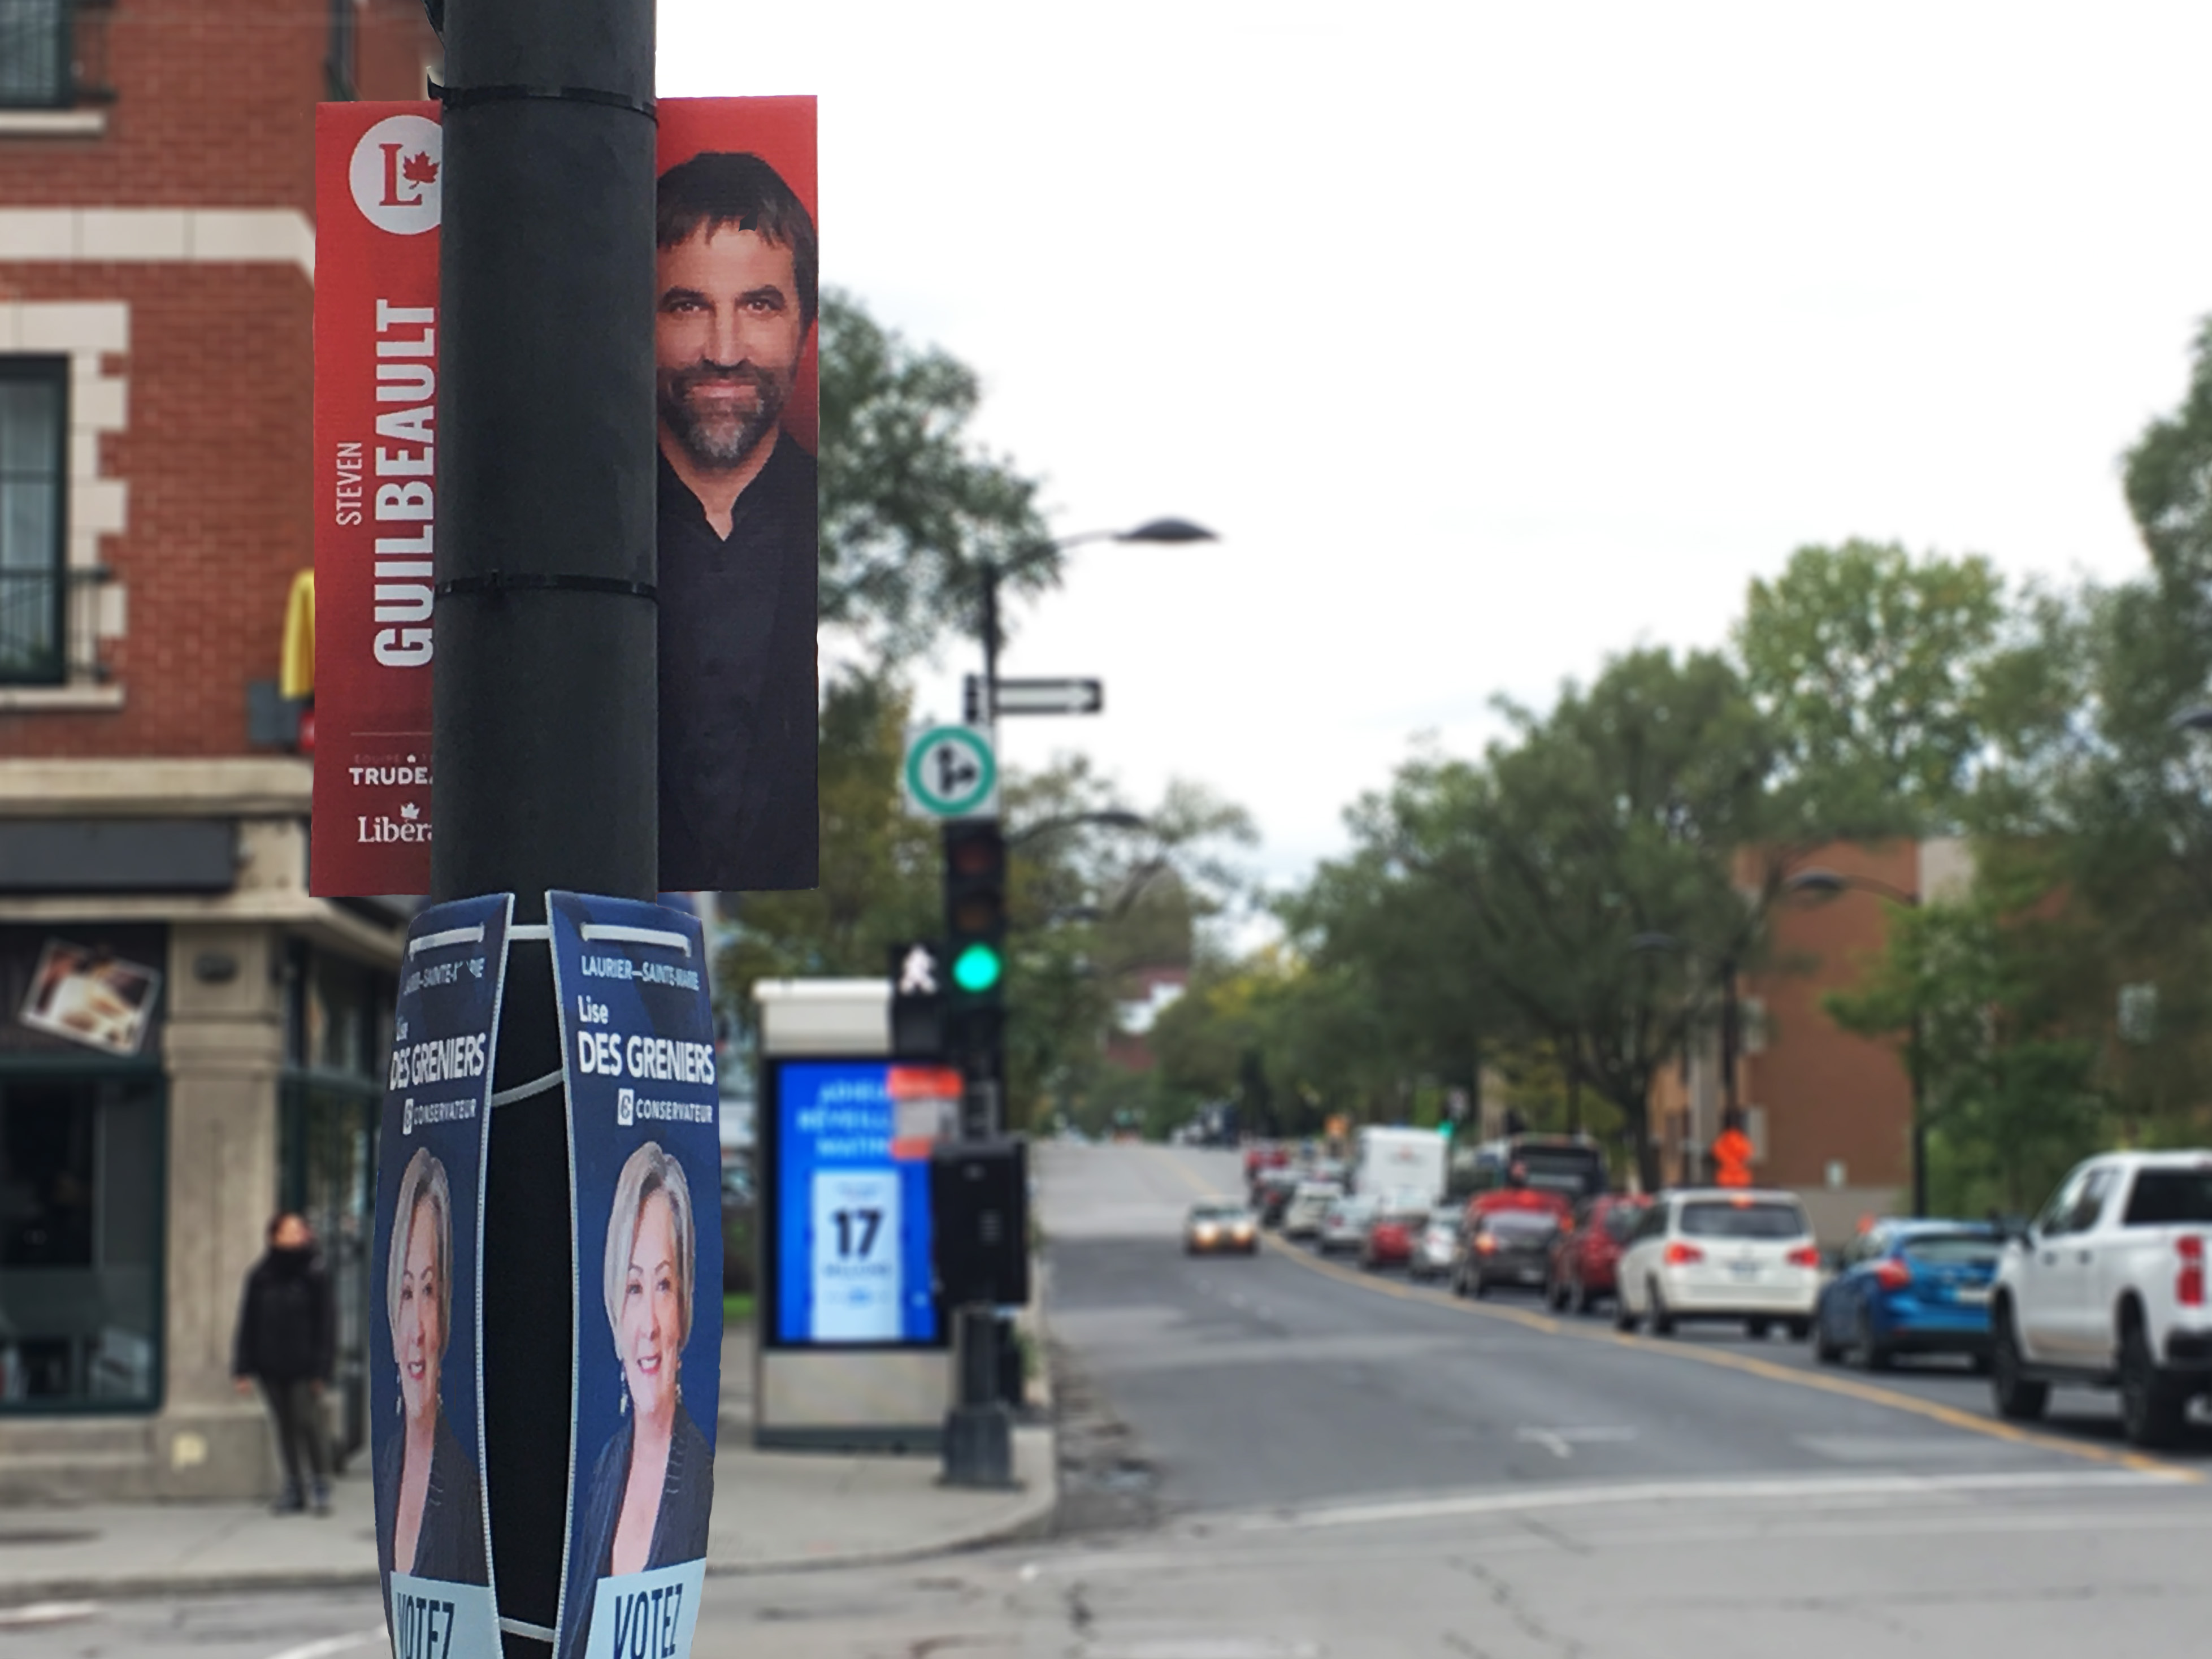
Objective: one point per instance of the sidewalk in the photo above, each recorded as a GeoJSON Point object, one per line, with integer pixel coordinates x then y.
{"type": "Point", "coordinates": [773, 1512]}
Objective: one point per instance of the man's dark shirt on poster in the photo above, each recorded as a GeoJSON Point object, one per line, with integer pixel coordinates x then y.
{"type": "Point", "coordinates": [738, 691]}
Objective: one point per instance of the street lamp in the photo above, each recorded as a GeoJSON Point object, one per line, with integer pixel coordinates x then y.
{"type": "Point", "coordinates": [2198, 718]}
{"type": "Point", "coordinates": [1170, 531]}
{"type": "Point", "coordinates": [1667, 944]}
{"type": "Point", "coordinates": [1825, 884]}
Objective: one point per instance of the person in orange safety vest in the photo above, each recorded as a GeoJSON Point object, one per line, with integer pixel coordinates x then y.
{"type": "Point", "coordinates": [1732, 1154]}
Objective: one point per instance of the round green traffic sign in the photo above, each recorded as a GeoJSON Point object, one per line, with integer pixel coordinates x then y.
{"type": "Point", "coordinates": [949, 770]}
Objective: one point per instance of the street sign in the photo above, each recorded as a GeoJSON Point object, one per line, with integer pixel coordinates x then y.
{"type": "Point", "coordinates": [1051, 696]}
{"type": "Point", "coordinates": [951, 772]}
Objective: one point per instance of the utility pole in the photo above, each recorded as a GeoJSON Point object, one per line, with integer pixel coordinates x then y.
{"type": "Point", "coordinates": [545, 736]}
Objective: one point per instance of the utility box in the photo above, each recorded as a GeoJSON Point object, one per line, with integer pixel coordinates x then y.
{"type": "Point", "coordinates": [980, 1199]}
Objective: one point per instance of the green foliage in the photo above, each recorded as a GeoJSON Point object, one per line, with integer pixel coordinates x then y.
{"type": "Point", "coordinates": [2006, 1085]}
{"type": "Point", "coordinates": [1868, 663]}
{"type": "Point", "coordinates": [911, 509]}
{"type": "Point", "coordinates": [2168, 480]}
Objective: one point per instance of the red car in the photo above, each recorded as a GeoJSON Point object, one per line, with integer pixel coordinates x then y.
{"type": "Point", "coordinates": [1580, 1272]}
{"type": "Point", "coordinates": [1389, 1241]}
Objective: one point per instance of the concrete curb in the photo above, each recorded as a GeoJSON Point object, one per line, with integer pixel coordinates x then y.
{"type": "Point", "coordinates": [1032, 1517]}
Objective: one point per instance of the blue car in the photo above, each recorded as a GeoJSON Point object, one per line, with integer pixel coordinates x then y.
{"type": "Point", "coordinates": [1910, 1287]}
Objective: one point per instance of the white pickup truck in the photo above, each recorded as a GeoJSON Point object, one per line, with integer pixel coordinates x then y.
{"type": "Point", "coordinates": [2107, 1288]}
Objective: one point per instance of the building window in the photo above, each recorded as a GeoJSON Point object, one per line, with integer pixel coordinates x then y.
{"type": "Point", "coordinates": [33, 474]}
{"type": "Point", "coordinates": [80, 1225]}
{"type": "Point", "coordinates": [341, 68]}
{"type": "Point", "coordinates": [35, 54]}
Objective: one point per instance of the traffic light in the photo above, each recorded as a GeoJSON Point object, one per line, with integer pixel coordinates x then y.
{"type": "Point", "coordinates": [974, 915]}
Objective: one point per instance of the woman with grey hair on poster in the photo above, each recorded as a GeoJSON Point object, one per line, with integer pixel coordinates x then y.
{"type": "Point", "coordinates": [430, 1503]}
{"type": "Point", "coordinates": [652, 1487]}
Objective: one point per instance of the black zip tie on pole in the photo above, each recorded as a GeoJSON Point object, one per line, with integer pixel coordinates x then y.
{"type": "Point", "coordinates": [462, 97]}
{"type": "Point", "coordinates": [495, 582]}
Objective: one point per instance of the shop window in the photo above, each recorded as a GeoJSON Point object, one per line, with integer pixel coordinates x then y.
{"type": "Point", "coordinates": [33, 476]}
{"type": "Point", "coordinates": [81, 1220]}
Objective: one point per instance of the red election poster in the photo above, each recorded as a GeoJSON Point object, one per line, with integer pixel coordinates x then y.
{"type": "Point", "coordinates": [736, 291]}
{"type": "Point", "coordinates": [376, 392]}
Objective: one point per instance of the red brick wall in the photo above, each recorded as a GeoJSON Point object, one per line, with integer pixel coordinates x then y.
{"type": "Point", "coordinates": [1830, 1094]}
{"type": "Point", "coordinates": [214, 108]}
{"type": "Point", "coordinates": [215, 102]}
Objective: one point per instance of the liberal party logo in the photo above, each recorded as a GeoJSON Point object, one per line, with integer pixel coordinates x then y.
{"type": "Point", "coordinates": [395, 174]}
{"type": "Point", "coordinates": [407, 1117]}
{"type": "Point", "coordinates": [625, 1108]}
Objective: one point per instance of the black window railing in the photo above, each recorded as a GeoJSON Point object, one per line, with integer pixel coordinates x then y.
{"type": "Point", "coordinates": [36, 55]}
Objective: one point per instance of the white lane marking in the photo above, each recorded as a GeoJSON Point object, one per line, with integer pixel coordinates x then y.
{"type": "Point", "coordinates": [332, 1644]}
{"type": "Point", "coordinates": [45, 1612]}
{"type": "Point", "coordinates": [1561, 1443]}
{"type": "Point", "coordinates": [1788, 1489]}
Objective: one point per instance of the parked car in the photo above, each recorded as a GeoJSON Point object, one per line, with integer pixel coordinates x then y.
{"type": "Point", "coordinates": [1438, 1246]}
{"type": "Point", "coordinates": [1272, 1197]}
{"type": "Point", "coordinates": [1390, 1236]}
{"type": "Point", "coordinates": [1309, 1206]}
{"type": "Point", "coordinates": [1910, 1287]}
{"type": "Point", "coordinates": [1344, 1225]}
{"type": "Point", "coordinates": [1713, 1253]}
{"type": "Point", "coordinates": [2107, 1288]}
{"type": "Point", "coordinates": [1220, 1225]}
{"type": "Point", "coordinates": [1581, 1270]}
{"type": "Point", "coordinates": [1503, 1247]}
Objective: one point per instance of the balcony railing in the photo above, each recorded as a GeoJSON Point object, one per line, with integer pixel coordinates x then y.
{"type": "Point", "coordinates": [47, 631]}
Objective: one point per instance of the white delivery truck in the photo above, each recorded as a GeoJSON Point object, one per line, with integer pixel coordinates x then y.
{"type": "Point", "coordinates": [1388, 1164]}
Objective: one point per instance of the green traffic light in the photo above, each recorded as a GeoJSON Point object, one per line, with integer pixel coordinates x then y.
{"type": "Point", "coordinates": [977, 969]}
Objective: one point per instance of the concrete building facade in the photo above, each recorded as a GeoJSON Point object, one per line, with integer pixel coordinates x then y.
{"type": "Point", "coordinates": [188, 1040]}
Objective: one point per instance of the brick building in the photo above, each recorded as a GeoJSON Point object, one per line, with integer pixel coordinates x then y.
{"type": "Point", "coordinates": [187, 1039]}
{"type": "Point", "coordinates": [1829, 1113]}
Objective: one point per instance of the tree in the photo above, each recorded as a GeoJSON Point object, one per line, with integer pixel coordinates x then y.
{"type": "Point", "coordinates": [2168, 480]}
{"type": "Point", "coordinates": [2006, 1088]}
{"type": "Point", "coordinates": [1509, 898]}
{"type": "Point", "coordinates": [1867, 664]}
{"type": "Point", "coordinates": [910, 508]}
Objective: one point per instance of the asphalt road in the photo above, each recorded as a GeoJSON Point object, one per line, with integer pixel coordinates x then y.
{"type": "Point", "coordinates": [1338, 1464]}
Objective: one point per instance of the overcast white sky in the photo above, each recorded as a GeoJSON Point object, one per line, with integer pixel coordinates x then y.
{"type": "Point", "coordinates": [1492, 340]}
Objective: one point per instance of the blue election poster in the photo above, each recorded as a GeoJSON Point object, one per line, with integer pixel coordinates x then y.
{"type": "Point", "coordinates": [426, 1406]}
{"type": "Point", "coordinates": [645, 1160]}
{"type": "Point", "coordinates": [850, 1161]}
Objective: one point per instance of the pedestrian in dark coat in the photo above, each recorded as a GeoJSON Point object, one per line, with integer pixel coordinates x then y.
{"type": "Point", "coordinates": [286, 1342]}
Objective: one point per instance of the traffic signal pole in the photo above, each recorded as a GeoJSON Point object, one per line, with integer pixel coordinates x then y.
{"type": "Point", "coordinates": [545, 729]}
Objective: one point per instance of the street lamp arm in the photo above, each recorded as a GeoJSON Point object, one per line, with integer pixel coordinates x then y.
{"type": "Point", "coordinates": [1112, 818]}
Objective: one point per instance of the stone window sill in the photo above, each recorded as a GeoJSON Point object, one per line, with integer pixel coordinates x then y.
{"type": "Point", "coordinates": [60, 699]}
{"type": "Point", "coordinates": [52, 122]}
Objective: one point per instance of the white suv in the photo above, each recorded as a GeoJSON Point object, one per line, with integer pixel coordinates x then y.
{"type": "Point", "coordinates": [1720, 1253]}
{"type": "Point", "coordinates": [2107, 1288]}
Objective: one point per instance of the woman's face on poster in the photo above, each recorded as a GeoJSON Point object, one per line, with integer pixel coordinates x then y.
{"type": "Point", "coordinates": [651, 1333]}
{"type": "Point", "coordinates": [420, 1339]}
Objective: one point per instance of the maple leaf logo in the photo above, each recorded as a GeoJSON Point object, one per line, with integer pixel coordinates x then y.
{"type": "Point", "coordinates": [409, 811]}
{"type": "Point", "coordinates": [419, 168]}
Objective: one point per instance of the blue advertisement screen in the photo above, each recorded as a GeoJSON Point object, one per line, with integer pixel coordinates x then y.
{"type": "Point", "coordinates": [851, 1227]}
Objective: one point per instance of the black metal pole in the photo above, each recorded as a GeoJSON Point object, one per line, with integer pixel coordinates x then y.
{"type": "Point", "coordinates": [1919, 1125]}
{"type": "Point", "coordinates": [990, 642]}
{"type": "Point", "coordinates": [545, 734]}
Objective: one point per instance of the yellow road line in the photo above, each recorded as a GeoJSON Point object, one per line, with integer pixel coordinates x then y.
{"type": "Point", "coordinates": [1870, 1394]}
